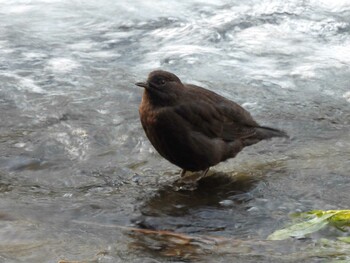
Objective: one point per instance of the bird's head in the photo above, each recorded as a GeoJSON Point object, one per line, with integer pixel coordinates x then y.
{"type": "Point", "coordinates": [162, 87]}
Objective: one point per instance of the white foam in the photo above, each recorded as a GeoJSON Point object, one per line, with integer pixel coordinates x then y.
{"type": "Point", "coordinates": [304, 71]}
{"type": "Point", "coordinates": [332, 5]}
{"type": "Point", "coordinates": [34, 55]}
{"type": "Point", "coordinates": [184, 50]}
{"type": "Point", "coordinates": [347, 96]}
{"type": "Point", "coordinates": [24, 83]}
{"type": "Point", "coordinates": [103, 111]}
{"type": "Point", "coordinates": [29, 84]}
{"type": "Point", "coordinates": [105, 54]}
{"type": "Point", "coordinates": [18, 9]}
{"type": "Point", "coordinates": [82, 46]}
{"type": "Point", "coordinates": [336, 55]}
{"type": "Point", "coordinates": [62, 65]}
{"type": "Point", "coordinates": [277, 6]}
{"type": "Point", "coordinates": [4, 47]}
{"type": "Point", "coordinates": [314, 55]}
{"type": "Point", "coordinates": [75, 143]}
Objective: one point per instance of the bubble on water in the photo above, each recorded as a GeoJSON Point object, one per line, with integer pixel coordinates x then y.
{"type": "Point", "coordinates": [226, 203]}
{"type": "Point", "coordinates": [249, 105]}
{"type": "Point", "coordinates": [19, 145]}
{"type": "Point", "coordinates": [68, 195]}
{"type": "Point", "coordinates": [103, 111]}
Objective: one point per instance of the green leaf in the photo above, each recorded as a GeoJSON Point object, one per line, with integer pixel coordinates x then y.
{"type": "Point", "coordinates": [340, 219]}
{"type": "Point", "coordinates": [344, 239]}
{"type": "Point", "coordinates": [301, 229]}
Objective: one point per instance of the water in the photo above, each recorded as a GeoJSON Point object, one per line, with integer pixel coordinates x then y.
{"type": "Point", "coordinates": [76, 167]}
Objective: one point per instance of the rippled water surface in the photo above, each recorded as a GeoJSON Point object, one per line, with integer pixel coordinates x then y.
{"type": "Point", "coordinates": [76, 170]}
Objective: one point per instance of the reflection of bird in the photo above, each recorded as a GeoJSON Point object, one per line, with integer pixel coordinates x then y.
{"type": "Point", "coordinates": [195, 128]}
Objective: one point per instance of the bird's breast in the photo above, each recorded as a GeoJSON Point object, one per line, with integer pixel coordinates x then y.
{"type": "Point", "coordinates": [148, 114]}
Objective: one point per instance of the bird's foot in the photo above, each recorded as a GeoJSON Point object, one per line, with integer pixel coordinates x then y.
{"type": "Point", "coordinates": [179, 186]}
{"type": "Point", "coordinates": [191, 177]}
{"type": "Point", "coordinates": [190, 180]}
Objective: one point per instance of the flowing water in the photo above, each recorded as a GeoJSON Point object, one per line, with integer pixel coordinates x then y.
{"type": "Point", "coordinates": [76, 169]}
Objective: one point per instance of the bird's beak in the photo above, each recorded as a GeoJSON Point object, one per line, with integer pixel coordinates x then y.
{"type": "Point", "coordinates": [142, 84]}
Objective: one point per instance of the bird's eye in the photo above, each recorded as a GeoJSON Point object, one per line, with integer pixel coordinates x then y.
{"type": "Point", "coordinates": [162, 81]}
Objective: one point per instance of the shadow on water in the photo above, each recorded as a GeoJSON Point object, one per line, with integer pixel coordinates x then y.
{"type": "Point", "coordinates": [172, 218]}
{"type": "Point", "coordinates": [209, 192]}
{"type": "Point", "coordinates": [215, 194]}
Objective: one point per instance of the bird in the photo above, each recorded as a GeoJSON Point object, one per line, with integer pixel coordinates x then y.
{"type": "Point", "coordinates": [195, 128]}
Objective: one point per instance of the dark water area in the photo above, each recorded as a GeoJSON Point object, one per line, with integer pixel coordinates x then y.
{"type": "Point", "coordinates": [77, 172]}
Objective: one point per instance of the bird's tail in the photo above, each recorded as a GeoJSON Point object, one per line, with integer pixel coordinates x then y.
{"type": "Point", "coordinates": [264, 133]}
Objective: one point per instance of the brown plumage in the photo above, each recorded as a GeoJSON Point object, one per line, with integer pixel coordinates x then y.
{"type": "Point", "coordinates": [195, 128]}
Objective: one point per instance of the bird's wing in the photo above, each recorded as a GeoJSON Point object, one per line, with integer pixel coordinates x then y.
{"type": "Point", "coordinates": [230, 109]}
{"type": "Point", "coordinates": [216, 120]}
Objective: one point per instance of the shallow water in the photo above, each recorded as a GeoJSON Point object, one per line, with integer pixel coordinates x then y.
{"type": "Point", "coordinates": [76, 167]}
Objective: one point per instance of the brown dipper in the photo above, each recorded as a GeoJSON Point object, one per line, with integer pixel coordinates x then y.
{"type": "Point", "coordinates": [195, 128]}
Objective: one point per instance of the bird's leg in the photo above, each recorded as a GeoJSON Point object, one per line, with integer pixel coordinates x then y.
{"type": "Point", "coordinates": [183, 173]}
{"type": "Point", "coordinates": [204, 173]}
